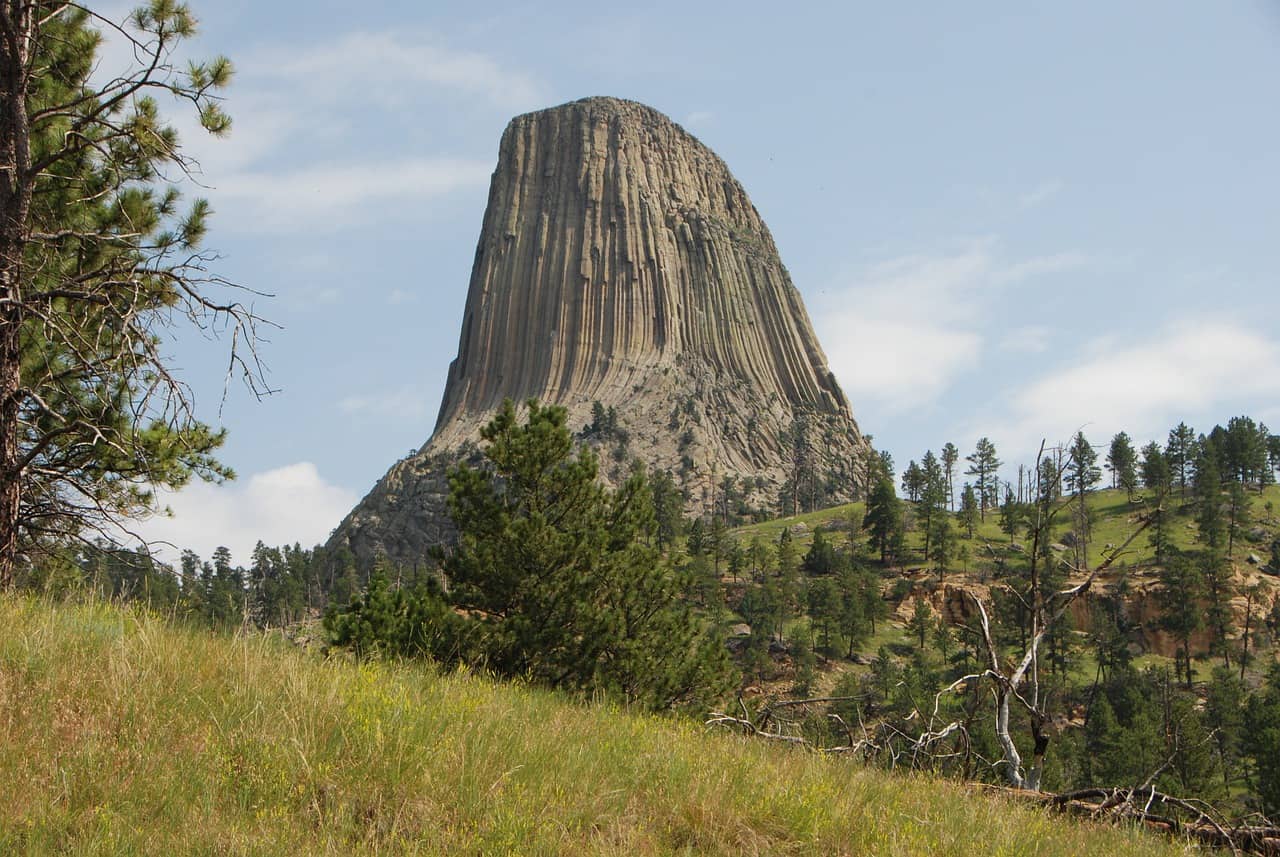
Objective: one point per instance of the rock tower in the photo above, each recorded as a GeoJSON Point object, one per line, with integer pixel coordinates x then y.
{"type": "Point", "coordinates": [621, 263]}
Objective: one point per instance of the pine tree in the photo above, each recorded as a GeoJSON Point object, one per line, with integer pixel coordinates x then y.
{"type": "Point", "coordinates": [561, 578]}
{"type": "Point", "coordinates": [984, 466]}
{"type": "Point", "coordinates": [1156, 477]}
{"type": "Point", "coordinates": [968, 510]}
{"type": "Point", "coordinates": [883, 519]}
{"type": "Point", "coordinates": [825, 607]}
{"type": "Point", "coordinates": [1239, 515]}
{"type": "Point", "coordinates": [1080, 475]}
{"type": "Point", "coordinates": [950, 455]}
{"type": "Point", "coordinates": [1012, 515]}
{"type": "Point", "coordinates": [920, 622]}
{"type": "Point", "coordinates": [1183, 587]}
{"type": "Point", "coordinates": [933, 499]}
{"type": "Point", "coordinates": [99, 264]}
{"type": "Point", "coordinates": [1122, 462]}
{"type": "Point", "coordinates": [1180, 452]}
{"type": "Point", "coordinates": [1208, 489]}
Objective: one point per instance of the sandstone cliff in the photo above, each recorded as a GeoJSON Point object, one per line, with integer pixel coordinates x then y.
{"type": "Point", "coordinates": [620, 262]}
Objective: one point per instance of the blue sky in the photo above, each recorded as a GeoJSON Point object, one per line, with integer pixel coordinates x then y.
{"type": "Point", "coordinates": [1009, 220]}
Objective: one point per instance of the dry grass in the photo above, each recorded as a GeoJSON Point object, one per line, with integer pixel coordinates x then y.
{"type": "Point", "coordinates": [122, 735]}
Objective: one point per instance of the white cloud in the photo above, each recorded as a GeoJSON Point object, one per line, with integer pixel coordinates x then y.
{"type": "Point", "coordinates": [281, 506]}
{"type": "Point", "coordinates": [398, 297]}
{"type": "Point", "coordinates": [1189, 370]}
{"type": "Point", "coordinates": [392, 66]}
{"type": "Point", "coordinates": [333, 196]}
{"type": "Point", "coordinates": [900, 331]}
{"type": "Point", "coordinates": [299, 112]}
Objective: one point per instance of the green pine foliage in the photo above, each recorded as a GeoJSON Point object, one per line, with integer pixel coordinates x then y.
{"type": "Point", "coordinates": [560, 580]}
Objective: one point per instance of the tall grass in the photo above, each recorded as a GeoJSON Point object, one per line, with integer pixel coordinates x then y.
{"type": "Point", "coordinates": [120, 734]}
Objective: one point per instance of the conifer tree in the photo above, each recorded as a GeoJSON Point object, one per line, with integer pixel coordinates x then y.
{"type": "Point", "coordinates": [1208, 488]}
{"type": "Point", "coordinates": [99, 263]}
{"type": "Point", "coordinates": [920, 622]}
{"type": "Point", "coordinates": [950, 455]}
{"type": "Point", "coordinates": [1081, 474]}
{"type": "Point", "coordinates": [1180, 452]}
{"type": "Point", "coordinates": [984, 467]}
{"type": "Point", "coordinates": [883, 518]}
{"type": "Point", "coordinates": [1122, 462]}
{"type": "Point", "coordinates": [560, 576]}
{"type": "Point", "coordinates": [1156, 477]}
{"type": "Point", "coordinates": [1183, 587]}
{"type": "Point", "coordinates": [968, 510]}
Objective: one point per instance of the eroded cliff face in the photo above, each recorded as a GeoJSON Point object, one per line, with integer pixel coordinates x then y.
{"type": "Point", "coordinates": [620, 262]}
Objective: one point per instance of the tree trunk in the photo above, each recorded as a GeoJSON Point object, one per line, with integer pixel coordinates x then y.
{"type": "Point", "coordinates": [16, 36]}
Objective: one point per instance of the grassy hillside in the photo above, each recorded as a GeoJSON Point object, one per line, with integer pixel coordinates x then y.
{"type": "Point", "coordinates": [1115, 516]}
{"type": "Point", "coordinates": [122, 735]}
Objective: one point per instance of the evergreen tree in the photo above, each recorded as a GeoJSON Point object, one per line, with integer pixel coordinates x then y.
{"type": "Point", "coordinates": [942, 542]}
{"type": "Point", "coordinates": [1156, 477]}
{"type": "Point", "coordinates": [1224, 707]}
{"type": "Point", "coordinates": [933, 499]}
{"type": "Point", "coordinates": [99, 265]}
{"type": "Point", "coordinates": [920, 622]}
{"type": "Point", "coordinates": [1080, 475]}
{"type": "Point", "coordinates": [1181, 454]}
{"type": "Point", "coordinates": [1122, 462]}
{"type": "Point", "coordinates": [1218, 592]}
{"type": "Point", "coordinates": [984, 466]}
{"type": "Point", "coordinates": [1239, 515]}
{"type": "Point", "coordinates": [1183, 586]}
{"type": "Point", "coordinates": [1012, 515]}
{"type": "Point", "coordinates": [825, 607]}
{"type": "Point", "coordinates": [968, 510]}
{"type": "Point", "coordinates": [668, 507]}
{"type": "Point", "coordinates": [950, 455]}
{"type": "Point", "coordinates": [854, 621]}
{"type": "Point", "coordinates": [560, 578]}
{"type": "Point", "coordinates": [1262, 740]}
{"type": "Point", "coordinates": [883, 519]}
{"type": "Point", "coordinates": [1208, 489]}
{"type": "Point", "coordinates": [912, 481]}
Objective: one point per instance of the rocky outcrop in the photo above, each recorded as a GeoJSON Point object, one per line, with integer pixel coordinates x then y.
{"type": "Point", "coordinates": [620, 262]}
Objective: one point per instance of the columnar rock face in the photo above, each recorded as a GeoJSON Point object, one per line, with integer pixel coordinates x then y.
{"type": "Point", "coordinates": [620, 262]}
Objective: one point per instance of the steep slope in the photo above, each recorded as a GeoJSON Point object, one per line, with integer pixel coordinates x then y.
{"type": "Point", "coordinates": [620, 262]}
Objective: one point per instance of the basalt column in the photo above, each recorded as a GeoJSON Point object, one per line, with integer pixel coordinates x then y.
{"type": "Point", "coordinates": [620, 262]}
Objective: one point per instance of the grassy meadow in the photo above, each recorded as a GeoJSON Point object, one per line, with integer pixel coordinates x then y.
{"type": "Point", "coordinates": [121, 734]}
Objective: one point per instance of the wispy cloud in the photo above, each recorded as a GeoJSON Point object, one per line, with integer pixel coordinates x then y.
{"type": "Point", "coordinates": [903, 329]}
{"type": "Point", "coordinates": [299, 112]}
{"type": "Point", "coordinates": [332, 196]}
{"type": "Point", "coordinates": [285, 505]}
{"type": "Point", "coordinates": [1187, 368]}
{"type": "Point", "coordinates": [393, 66]}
